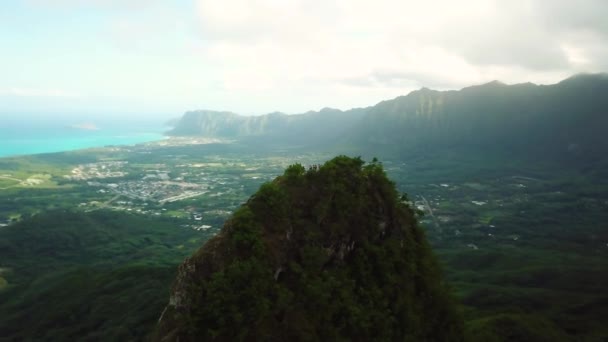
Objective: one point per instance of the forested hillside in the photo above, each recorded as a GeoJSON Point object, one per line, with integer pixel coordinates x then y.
{"type": "Point", "coordinates": [87, 277]}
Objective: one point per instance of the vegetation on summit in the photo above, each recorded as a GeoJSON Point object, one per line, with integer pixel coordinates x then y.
{"type": "Point", "coordinates": [328, 253]}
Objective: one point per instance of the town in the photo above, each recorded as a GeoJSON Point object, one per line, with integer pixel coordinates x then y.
{"type": "Point", "coordinates": [199, 185]}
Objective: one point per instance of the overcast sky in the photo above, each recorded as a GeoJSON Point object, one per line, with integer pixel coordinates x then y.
{"type": "Point", "coordinates": [257, 56]}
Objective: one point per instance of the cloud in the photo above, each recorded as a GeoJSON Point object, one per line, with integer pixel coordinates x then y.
{"type": "Point", "coordinates": [294, 55]}
{"type": "Point", "coordinates": [401, 44]}
{"type": "Point", "coordinates": [566, 16]}
{"type": "Point", "coordinates": [287, 21]}
{"type": "Point", "coordinates": [94, 4]}
{"type": "Point", "coordinates": [37, 92]}
{"type": "Point", "coordinates": [153, 31]}
{"type": "Point", "coordinates": [401, 79]}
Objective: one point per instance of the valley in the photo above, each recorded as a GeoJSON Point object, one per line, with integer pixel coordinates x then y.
{"type": "Point", "coordinates": [504, 234]}
{"type": "Point", "coordinates": [304, 171]}
{"type": "Point", "coordinates": [508, 181]}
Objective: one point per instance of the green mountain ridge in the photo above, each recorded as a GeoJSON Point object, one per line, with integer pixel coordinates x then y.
{"type": "Point", "coordinates": [311, 128]}
{"type": "Point", "coordinates": [567, 118]}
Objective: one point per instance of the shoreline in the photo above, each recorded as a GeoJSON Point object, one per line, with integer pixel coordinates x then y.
{"type": "Point", "coordinates": [159, 137]}
{"type": "Point", "coordinates": [164, 140]}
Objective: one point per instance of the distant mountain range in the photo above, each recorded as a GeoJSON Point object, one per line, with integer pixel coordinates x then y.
{"type": "Point", "coordinates": [570, 116]}
{"type": "Point", "coordinates": [309, 128]}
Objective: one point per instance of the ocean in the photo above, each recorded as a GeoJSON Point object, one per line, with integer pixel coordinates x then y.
{"type": "Point", "coordinates": [30, 135]}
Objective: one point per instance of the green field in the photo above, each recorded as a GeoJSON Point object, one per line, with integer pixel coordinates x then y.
{"type": "Point", "coordinates": [7, 183]}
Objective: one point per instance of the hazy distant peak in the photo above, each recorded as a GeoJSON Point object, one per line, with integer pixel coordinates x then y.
{"type": "Point", "coordinates": [585, 77]}
{"type": "Point", "coordinates": [412, 96]}
{"type": "Point", "coordinates": [495, 83]}
{"type": "Point", "coordinates": [275, 114]}
{"type": "Point", "coordinates": [328, 109]}
{"type": "Point", "coordinates": [491, 84]}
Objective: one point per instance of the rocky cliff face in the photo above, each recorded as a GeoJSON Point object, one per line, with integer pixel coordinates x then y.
{"type": "Point", "coordinates": [309, 128]}
{"type": "Point", "coordinates": [329, 253]}
{"type": "Point", "coordinates": [494, 116]}
{"type": "Point", "coordinates": [540, 120]}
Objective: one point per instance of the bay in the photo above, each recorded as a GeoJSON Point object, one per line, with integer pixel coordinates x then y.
{"type": "Point", "coordinates": [23, 137]}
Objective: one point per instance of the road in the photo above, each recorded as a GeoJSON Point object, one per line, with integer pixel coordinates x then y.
{"type": "Point", "coordinates": [106, 203]}
{"type": "Point", "coordinates": [428, 206]}
{"type": "Point", "coordinates": [10, 178]}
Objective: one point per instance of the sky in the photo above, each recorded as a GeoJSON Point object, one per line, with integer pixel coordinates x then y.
{"type": "Point", "coordinates": [162, 57]}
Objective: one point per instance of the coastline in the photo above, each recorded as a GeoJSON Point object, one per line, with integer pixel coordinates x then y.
{"type": "Point", "coordinates": [15, 147]}
{"type": "Point", "coordinates": [161, 140]}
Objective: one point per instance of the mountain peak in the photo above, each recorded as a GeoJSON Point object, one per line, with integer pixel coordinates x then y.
{"type": "Point", "coordinates": [426, 90]}
{"type": "Point", "coordinates": [299, 261]}
{"type": "Point", "coordinates": [328, 109]}
{"type": "Point", "coordinates": [585, 77]}
{"type": "Point", "coordinates": [495, 83]}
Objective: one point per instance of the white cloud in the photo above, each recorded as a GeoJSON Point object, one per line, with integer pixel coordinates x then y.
{"type": "Point", "coordinates": [295, 55]}
{"type": "Point", "coordinates": [95, 4]}
{"type": "Point", "coordinates": [37, 92]}
{"type": "Point", "coordinates": [153, 31]}
{"type": "Point", "coordinates": [392, 43]}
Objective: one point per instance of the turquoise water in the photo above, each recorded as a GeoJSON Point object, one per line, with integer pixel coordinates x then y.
{"type": "Point", "coordinates": [27, 137]}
